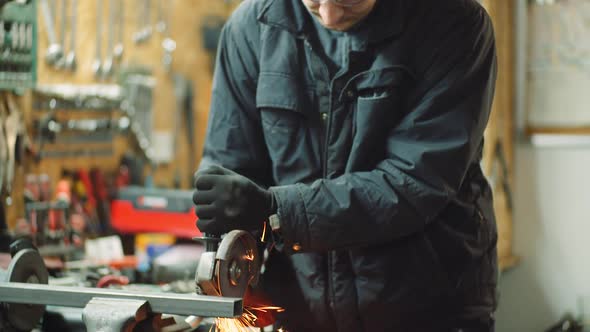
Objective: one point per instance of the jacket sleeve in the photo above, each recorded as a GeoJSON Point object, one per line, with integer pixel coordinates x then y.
{"type": "Point", "coordinates": [234, 136]}
{"type": "Point", "coordinates": [428, 155]}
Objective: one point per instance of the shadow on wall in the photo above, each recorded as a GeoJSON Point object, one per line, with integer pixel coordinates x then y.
{"type": "Point", "coordinates": [523, 305]}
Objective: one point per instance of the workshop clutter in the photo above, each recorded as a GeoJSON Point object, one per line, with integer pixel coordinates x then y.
{"type": "Point", "coordinates": [47, 214]}
{"type": "Point", "coordinates": [77, 207]}
{"type": "Point", "coordinates": [24, 264]}
{"type": "Point", "coordinates": [100, 135]}
{"type": "Point", "coordinates": [86, 120]}
{"type": "Point", "coordinates": [105, 78]}
{"type": "Point", "coordinates": [149, 246]}
{"type": "Point", "coordinates": [26, 289]}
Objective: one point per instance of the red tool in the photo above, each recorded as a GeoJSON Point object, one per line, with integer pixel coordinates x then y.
{"type": "Point", "coordinates": [151, 210]}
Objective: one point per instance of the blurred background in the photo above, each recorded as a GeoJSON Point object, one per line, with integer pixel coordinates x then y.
{"type": "Point", "coordinates": [104, 105]}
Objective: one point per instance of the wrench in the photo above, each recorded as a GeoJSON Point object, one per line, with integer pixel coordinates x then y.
{"type": "Point", "coordinates": [62, 31]}
{"type": "Point", "coordinates": [96, 65]}
{"type": "Point", "coordinates": [2, 34]}
{"type": "Point", "coordinates": [53, 8]}
{"type": "Point", "coordinates": [169, 45]}
{"type": "Point", "coordinates": [107, 66]}
{"type": "Point", "coordinates": [144, 28]}
{"type": "Point", "coordinates": [3, 145]}
{"type": "Point", "coordinates": [118, 50]}
{"type": "Point", "coordinates": [14, 36]}
{"type": "Point", "coordinates": [137, 35]}
{"type": "Point", "coordinates": [71, 57]}
{"type": "Point", "coordinates": [22, 36]}
{"type": "Point", "coordinates": [161, 23]}
{"type": "Point", "coordinates": [54, 51]}
{"type": "Point", "coordinates": [29, 36]}
{"type": "Point", "coordinates": [12, 123]}
{"type": "Point", "coordinates": [147, 29]}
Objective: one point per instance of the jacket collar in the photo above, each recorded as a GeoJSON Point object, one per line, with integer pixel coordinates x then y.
{"type": "Point", "coordinates": [387, 18]}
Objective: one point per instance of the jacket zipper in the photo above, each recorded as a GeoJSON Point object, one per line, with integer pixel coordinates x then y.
{"type": "Point", "coordinates": [325, 118]}
{"type": "Point", "coordinates": [323, 115]}
{"type": "Point", "coordinates": [326, 125]}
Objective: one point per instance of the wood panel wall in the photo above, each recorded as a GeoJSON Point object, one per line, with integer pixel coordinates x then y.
{"type": "Point", "coordinates": [500, 131]}
{"type": "Point", "coordinates": [186, 18]}
{"type": "Point", "coordinates": [190, 59]}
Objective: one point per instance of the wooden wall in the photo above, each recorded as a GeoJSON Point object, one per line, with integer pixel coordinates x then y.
{"type": "Point", "coordinates": [501, 126]}
{"type": "Point", "coordinates": [186, 18]}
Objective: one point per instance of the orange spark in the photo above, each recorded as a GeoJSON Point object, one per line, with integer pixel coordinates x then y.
{"type": "Point", "coordinates": [249, 255]}
{"type": "Point", "coordinates": [244, 323]}
{"type": "Point", "coordinates": [263, 233]}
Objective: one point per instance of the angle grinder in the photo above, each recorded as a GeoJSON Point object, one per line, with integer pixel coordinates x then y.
{"type": "Point", "coordinates": [229, 265]}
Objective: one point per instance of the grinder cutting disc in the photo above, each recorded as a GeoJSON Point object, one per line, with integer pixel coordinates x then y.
{"type": "Point", "coordinates": [238, 264]}
{"type": "Point", "coordinates": [26, 266]}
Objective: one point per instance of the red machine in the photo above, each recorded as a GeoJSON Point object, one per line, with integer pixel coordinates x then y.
{"type": "Point", "coordinates": [152, 210]}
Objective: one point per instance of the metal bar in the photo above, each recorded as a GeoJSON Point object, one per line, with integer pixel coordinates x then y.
{"type": "Point", "coordinates": [78, 297]}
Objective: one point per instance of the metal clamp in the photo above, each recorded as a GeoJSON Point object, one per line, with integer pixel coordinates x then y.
{"type": "Point", "coordinates": [117, 315]}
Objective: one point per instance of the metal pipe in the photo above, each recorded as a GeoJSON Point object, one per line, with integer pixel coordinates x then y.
{"type": "Point", "coordinates": [78, 297]}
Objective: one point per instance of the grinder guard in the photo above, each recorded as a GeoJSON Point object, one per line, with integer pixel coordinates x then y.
{"type": "Point", "coordinates": [232, 268]}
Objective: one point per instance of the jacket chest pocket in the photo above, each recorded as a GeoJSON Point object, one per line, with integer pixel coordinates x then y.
{"type": "Point", "coordinates": [377, 100]}
{"type": "Point", "coordinates": [376, 110]}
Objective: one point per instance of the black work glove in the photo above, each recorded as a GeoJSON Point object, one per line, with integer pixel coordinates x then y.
{"type": "Point", "coordinates": [226, 201]}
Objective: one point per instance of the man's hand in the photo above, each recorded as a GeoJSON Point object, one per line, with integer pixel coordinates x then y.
{"type": "Point", "coordinates": [226, 201]}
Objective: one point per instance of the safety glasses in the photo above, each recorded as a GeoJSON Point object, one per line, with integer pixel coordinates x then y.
{"type": "Point", "coordinates": [343, 3]}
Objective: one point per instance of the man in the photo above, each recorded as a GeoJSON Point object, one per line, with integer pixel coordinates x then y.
{"type": "Point", "coordinates": [356, 128]}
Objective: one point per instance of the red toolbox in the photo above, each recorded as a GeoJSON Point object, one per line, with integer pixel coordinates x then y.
{"type": "Point", "coordinates": [152, 210]}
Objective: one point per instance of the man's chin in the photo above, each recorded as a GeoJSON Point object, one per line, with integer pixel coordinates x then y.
{"type": "Point", "coordinates": [338, 27]}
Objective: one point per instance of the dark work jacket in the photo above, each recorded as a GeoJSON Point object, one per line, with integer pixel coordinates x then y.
{"type": "Point", "coordinates": [385, 214]}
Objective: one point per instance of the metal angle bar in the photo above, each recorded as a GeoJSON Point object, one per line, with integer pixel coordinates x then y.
{"type": "Point", "coordinates": [78, 297]}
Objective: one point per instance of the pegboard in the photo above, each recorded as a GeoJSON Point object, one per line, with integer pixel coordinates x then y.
{"type": "Point", "coordinates": [185, 21]}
